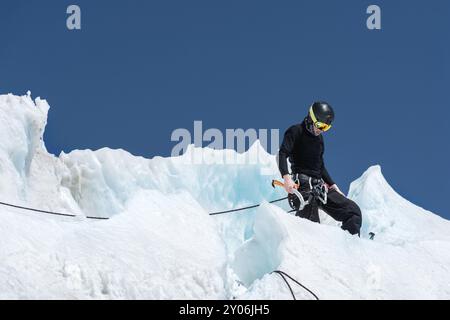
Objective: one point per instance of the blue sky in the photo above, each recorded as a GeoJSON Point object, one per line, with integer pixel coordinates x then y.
{"type": "Point", "coordinates": [140, 69]}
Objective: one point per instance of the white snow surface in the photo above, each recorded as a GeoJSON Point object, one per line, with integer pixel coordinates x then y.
{"type": "Point", "coordinates": [160, 242]}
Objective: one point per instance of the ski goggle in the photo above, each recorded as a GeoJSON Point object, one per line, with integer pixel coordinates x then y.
{"type": "Point", "coordinates": [319, 125]}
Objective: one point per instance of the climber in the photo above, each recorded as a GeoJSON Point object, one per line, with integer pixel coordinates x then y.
{"type": "Point", "coordinates": [303, 146]}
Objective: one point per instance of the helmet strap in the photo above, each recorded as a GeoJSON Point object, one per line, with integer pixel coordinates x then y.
{"type": "Point", "coordinates": [309, 125]}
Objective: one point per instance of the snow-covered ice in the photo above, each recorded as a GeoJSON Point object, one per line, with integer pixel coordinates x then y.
{"type": "Point", "coordinates": [160, 242]}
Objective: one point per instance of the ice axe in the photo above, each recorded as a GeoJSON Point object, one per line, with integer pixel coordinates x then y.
{"type": "Point", "coordinates": [303, 203]}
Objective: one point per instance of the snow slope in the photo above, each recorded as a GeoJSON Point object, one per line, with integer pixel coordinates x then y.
{"type": "Point", "coordinates": [160, 242]}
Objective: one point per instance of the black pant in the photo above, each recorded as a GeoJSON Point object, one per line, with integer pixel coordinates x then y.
{"type": "Point", "coordinates": [339, 208]}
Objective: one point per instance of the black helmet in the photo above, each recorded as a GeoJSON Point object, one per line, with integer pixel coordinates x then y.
{"type": "Point", "coordinates": [322, 112]}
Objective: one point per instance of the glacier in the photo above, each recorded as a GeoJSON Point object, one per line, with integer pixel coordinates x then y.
{"type": "Point", "coordinates": [161, 243]}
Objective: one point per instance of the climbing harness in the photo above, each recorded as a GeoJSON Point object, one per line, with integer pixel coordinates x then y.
{"type": "Point", "coordinates": [296, 201]}
{"type": "Point", "coordinates": [318, 190]}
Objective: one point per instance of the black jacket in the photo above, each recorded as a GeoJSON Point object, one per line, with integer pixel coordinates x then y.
{"type": "Point", "coordinates": [305, 153]}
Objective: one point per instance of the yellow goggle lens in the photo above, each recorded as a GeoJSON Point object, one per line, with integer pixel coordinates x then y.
{"type": "Point", "coordinates": [322, 126]}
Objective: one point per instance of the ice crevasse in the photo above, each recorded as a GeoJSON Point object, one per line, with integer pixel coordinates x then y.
{"type": "Point", "coordinates": [160, 242]}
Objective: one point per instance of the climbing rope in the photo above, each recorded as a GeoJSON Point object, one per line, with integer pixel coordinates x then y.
{"type": "Point", "coordinates": [105, 218]}
{"type": "Point", "coordinates": [284, 274]}
{"type": "Point", "coordinates": [48, 212]}
{"type": "Point", "coordinates": [245, 208]}
{"type": "Point", "coordinates": [281, 273]}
